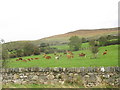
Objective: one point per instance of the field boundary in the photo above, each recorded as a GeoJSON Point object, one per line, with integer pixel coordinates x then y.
{"type": "Point", "coordinates": [84, 76]}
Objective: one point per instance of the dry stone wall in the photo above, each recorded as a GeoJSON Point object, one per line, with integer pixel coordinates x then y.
{"type": "Point", "coordinates": [89, 76]}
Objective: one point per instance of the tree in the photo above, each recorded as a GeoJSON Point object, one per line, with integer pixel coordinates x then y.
{"type": "Point", "coordinates": [3, 53]}
{"type": "Point", "coordinates": [109, 37]}
{"type": "Point", "coordinates": [75, 43]}
{"type": "Point", "coordinates": [94, 47]}
{"type": "Point", "coordinates": [36, 51]}
{"type": "Point", "coordinates": [102, 41]}
{"type": "Point", "coordinates": [44, 47]}
{"type": "Point", "coordinates": [19, 52]}
{"type": "Point", "coordinates": [92, 43]}
{"type": "Point", "coordinates": [84, 40]}
{"type": "Point", "coordinates": [28, 49]}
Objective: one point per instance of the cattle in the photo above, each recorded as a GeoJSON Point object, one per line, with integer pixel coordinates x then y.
{"type": "Point", "coordinates": [28, 59]}
{"type": "Point", "coordinates": [57, 57]}
{"type": "Point", "coordinates": [17, 59]}
{"type": "Point", "coordinates": [24, 60]}
{"type": "Point", "coordinates": [20, 59]}
{"type": "Point", "coordinates": [69, 52]}
{"type": "Point", "coordinates": [82, 55]}
{"type": "Point", "coordinates": [31, 58]}
{"type": "Point", "coordinates": [48, 57]}
{"type": "Point", "coordinates": [104, 52]}
{"type": "Point", "coordinates": [44, 55]}
{"type": "Point", "coordinates": [36, 58]}
{"type": "Point", "coordinates": [69, 56]}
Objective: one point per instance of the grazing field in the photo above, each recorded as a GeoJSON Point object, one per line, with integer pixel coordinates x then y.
{"type": "Point", "coordinates": [110, 59]}
{"type": "Point", "coordinates": [66, 47]}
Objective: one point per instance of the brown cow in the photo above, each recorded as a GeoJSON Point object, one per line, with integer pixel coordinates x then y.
{"type": "Point", "coordinates": [24, 60]}
{"type": "Point", "coordinates": [31, 58]}
{"type": "Point", "coordinates": [105, 52]}
{"type": "Point", "coordinates": [69, 52]}
{"type": "Point", "coordinates": [48, 57]}
{"type": "Point", "coordinates": [82, 55]}
{"type": "Point", "coordinates": [44, 55]}
{"type": "Point", "coordinates": [20, 59]}
{"type": "Point", "coordinates": [17, 59]}
{"type": "Point", "coordinates": [28, 59]}
{"type": "Point", "coordinates": [36, 58]}
{"type": "Point", "coordinates": [69, 56]}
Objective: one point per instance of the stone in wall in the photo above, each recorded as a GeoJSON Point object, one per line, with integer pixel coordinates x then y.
{"type": "Point", "coordinates": [89, 76]}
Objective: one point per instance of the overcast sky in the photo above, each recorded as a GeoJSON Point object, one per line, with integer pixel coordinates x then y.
{"type": "Point", "coordinates": [35, 19]}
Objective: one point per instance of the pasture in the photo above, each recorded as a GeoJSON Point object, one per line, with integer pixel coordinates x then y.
{"type": "Point", "coordinates": [110, 59]}
{"type": "Point", "coordinates": [66, 47]}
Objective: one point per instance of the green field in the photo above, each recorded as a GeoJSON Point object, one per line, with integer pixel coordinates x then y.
{"type": "Point", "coordinates": [66, 47]}
{"type": "Point", "coordinates": [110, 59]}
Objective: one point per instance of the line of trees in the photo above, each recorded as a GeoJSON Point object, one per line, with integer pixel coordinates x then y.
{"type": "Point", "coordinates": [27, 49]}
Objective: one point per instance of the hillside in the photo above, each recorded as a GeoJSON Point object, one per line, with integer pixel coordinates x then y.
{"type": "Point", "coordinates": [64, 38]}
{"type": "Point", "coordinates": [87, 33]}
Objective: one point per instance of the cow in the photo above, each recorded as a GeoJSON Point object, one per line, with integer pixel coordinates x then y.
{"type": "Point", "coordinates": [28, 59]}
{"type": "Point", "coordinates": [17, 59]}
{"type": "Point", "coordinates": [48, 57]}
{"type": "Point", "coordinates": [69, 56]}
{"type": "Point", "coordinates": [44, 55]}
{"type": "Point", "coordinates": [31, 58]}
{"type": "Point", "coordinates": [57, 57]}
{"type": "Point", "coordinates": [24, 60]}
{"type": "Point", "coordinates": [105, 52]}
{"type": "Point", "coordinates": [36, 58]}
{"type": "Point", "coordinates": [20, 59]}
{"type": "Point", "coordinates": [82, 55]}
{"type": "Point", "coordinates": [69, 52]}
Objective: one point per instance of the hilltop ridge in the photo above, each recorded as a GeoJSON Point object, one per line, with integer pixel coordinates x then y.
{"type": "Point", "coordinates": [87, 33]}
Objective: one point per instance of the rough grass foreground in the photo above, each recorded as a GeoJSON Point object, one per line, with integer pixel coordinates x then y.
{"type": "Point", "coordinates": [52, 86]}
{"type": "Point", "coordinates": [110, 59]}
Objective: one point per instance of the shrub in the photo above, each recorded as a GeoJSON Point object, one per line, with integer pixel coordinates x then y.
{"type": "Point", "coordinates": [19, 53]}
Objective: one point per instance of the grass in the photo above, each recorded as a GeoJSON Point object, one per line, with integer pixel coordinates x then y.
{"type": "Point", "coordinates": [41, 86]}
{"type": "Point", "coordinates": [110, 59]}
{"type": "Point", "coordinates": [53, 86]}
{"type": "Point", "coordinates": [66, 47]}
{"type": "Point", "coordinates": [61, 47]}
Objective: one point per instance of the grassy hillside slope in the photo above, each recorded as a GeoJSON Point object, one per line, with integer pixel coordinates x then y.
{"type": "Point", "coordinates": [87, 33]}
